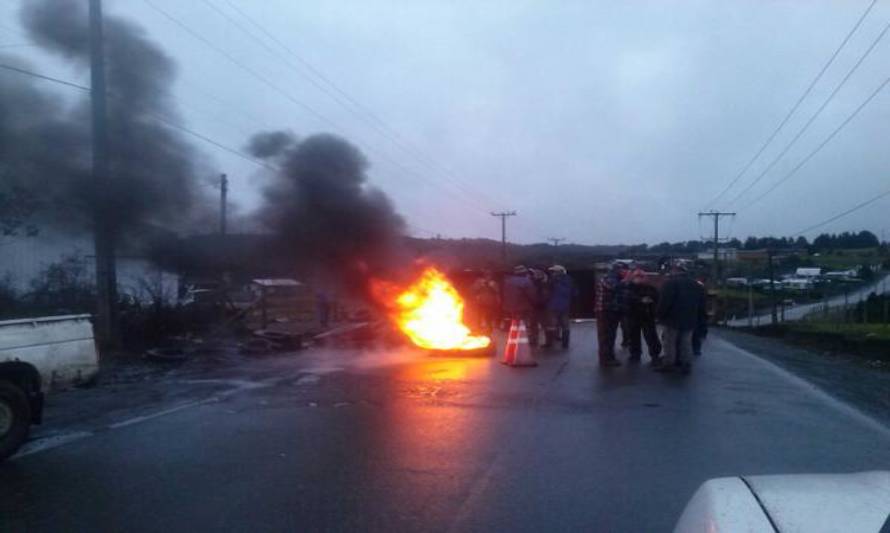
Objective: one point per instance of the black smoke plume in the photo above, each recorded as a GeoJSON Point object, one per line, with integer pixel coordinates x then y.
{"type": "Point", "coordinates": [270, 144]}
{"type": "Point", "coordinates": [45, 145]}
{"type": "Point", "coordinates": [323, 209]}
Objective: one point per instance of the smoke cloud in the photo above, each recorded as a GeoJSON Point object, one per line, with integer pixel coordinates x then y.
{"type": "Point", "coordinates": [323, 209]}
{"type": "Point", "coordinates": [45, 145]}
{"type": "Point", "coordinates": [271, 144]}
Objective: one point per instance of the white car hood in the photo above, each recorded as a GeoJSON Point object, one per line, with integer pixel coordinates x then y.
{"type": "Point", "coordinates": [810, 503]}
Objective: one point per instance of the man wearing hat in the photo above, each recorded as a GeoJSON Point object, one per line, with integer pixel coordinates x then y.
{"type": "Point", "coordinates": [608, 308]}
{"type": "Point", "coordinates": [559, 303]}
{"type": "Point", "coordinates": [681, 308]}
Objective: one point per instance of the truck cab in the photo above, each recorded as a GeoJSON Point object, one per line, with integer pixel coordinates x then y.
{"type": "Point", "coordinates": [38, 356]}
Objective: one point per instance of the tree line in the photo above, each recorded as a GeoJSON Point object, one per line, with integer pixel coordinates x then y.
{"type": "Point", "coordinates": [825, 241]}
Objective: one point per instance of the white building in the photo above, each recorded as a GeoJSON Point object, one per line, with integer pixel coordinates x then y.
{"type": "Point", "coordinates": [808, 273]}
{"type": "Point", "coordinates": [797, 284]}
{"type": "Point", "coordinates": [24, 259]}
{"type": "Point", "coordinates": [842, 274]}
{"type": "Point", "coordinates": [723, 254]}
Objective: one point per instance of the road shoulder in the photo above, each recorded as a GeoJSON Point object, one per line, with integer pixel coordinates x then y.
{"type": "Point", "coordinates": [848, 379]}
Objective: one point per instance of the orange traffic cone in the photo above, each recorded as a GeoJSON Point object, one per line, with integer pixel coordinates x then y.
{"type": "Point", "coordinates": [516, 350]}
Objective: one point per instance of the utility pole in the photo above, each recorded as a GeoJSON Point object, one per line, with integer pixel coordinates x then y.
{"type": "Point", "coordinates": [750, 306]}
{"type": "Point", "coordinates": [503, 216]}
{"type": "Point", "coordinates": [555, 240]}
{"type": "Point", "coordinates": [772, 287]}
{"type": "Point", "coordinates": [716, 216]}
{"type": "Point", "coordinates": [103, 235]}
{"type": "Point", "coordinates": [223, 194]}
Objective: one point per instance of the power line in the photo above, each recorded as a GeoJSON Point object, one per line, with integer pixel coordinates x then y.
{"type": "Point", "coordinates": [815, 115]}
{"type": "Point", "coordinates": [821, 145]}
{"type": "Point", "coordinates": [336, 93]}
{"type": "Point", "coordinates": [797, 104]}
{"type": "Point", "coordinates": [43, 77]}
{"type": "Point", "coordinates": [171, 124]}
{"type": "Point", "coordinates": [295, 101]}
{"type": "Point", "coordinates": [340, 97]}
{"type": "Point", "coordinates": [184, 27]}
{"type": "Point", "coordinates": [309, 66]}
{"type": "Point", "coordinates": [208, 140]}
{"type": "Point", "coordinates": [156, 116]}
{"type": "Point", "coordinates": [857, 207]}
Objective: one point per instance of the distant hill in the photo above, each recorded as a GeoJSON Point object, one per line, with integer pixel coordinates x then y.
{"type": "Point", "coordinates": [486, 253]}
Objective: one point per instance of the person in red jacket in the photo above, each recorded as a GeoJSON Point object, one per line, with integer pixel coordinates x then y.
{"type": "Point", "coordinates": [642, 301]}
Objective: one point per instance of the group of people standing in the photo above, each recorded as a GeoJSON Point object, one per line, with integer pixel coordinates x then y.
{"type": "Point", "coordinates": [542, 299]}
{"type": "Point", "coordinates": [629, 301]}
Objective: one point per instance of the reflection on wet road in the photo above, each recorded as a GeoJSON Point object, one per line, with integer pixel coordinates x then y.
{"type": "Point", "coordinates": [399, 441]}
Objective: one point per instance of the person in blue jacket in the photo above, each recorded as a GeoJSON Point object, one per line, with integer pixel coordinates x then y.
{"type": "Point", "coordinates": [559, 304]}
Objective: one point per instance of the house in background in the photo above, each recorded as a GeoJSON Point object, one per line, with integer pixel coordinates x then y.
{"type": "Point", "coordinates": [810, 273]}
{"type": "Point", "coordinates": [723, 254]}
{"type": "Point", "coordinates": [26, 258]}
{"type": "Point", "coordinates": [842, 275]}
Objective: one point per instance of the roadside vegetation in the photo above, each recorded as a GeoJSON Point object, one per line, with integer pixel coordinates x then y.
{"type": "Point", "coordinates": [860, 331]}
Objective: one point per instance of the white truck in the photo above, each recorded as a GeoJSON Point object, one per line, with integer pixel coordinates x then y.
{"type": "Point", "coordinates": [37, 356]}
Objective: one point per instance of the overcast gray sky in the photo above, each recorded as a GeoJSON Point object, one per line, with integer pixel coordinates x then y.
{"type": "Point", "coordinates": [601, 122]}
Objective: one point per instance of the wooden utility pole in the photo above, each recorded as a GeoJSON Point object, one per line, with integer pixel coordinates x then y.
{"type": "Point", "coordinates": [772, 287]}
{"type": "Point", "coordinates": [750, 306]}
{"type": "Point", "coordinates": [103, 233]}
{"type": "Point", "coordinates": [716, 216]}
{"type": "Point", "coordinates": [555, 241]}
{"type": "Point", "coordinates": [223, 194]}
{"type": "Point", "coordinates": [503, 216]}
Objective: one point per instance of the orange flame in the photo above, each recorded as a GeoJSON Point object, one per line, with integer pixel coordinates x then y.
{"type": "Point", "coordinates": [430, 313]}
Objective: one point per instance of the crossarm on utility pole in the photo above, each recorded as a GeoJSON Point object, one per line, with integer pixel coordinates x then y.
{"type": "Point", "coordinates": [715, 268]}
{"type": "Point", "coordinates": [503, 216]}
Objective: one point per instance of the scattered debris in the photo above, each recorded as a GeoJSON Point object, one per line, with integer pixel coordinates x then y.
{"type": "Point", "coordinates": [167, 355]}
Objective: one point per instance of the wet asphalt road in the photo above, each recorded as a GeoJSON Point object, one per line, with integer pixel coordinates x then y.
{"type": "Point", "coordinates": [339, 441]}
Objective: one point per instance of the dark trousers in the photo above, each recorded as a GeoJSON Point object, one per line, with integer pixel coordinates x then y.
{"type": "Point", "coordinates": [698, 336]}
{"type": "Point", "coordinates": [644, 327]}
{"type": "Point", "coordinates": [606, 331]}
{"type": "Point", "coordinates": [557, 325]}
{"type": "Point", "coordinates": [624, 323]}
{"type": "Point", "coordinates": [486, 318]}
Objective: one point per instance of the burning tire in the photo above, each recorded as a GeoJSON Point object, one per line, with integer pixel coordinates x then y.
{"type": "Point", "coordinates": [15, 418]}
{"type": "Point", "coordinates": [487, 351]}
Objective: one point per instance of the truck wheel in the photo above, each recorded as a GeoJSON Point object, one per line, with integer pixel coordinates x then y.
{"type": "Point", "coordinates": [15, 418]}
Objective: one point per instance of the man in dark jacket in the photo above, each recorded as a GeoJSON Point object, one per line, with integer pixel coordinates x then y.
{"type": "Point", "coordinates": [486, 301]}
{"type": "Point", "coordinates": [519, 299]}
{"type": "Point", "coordinates": [539, 312]}
{"type": "Point", "coordinates": [608, 308]}
{"type": "Point", "coordinates": [680, 309]}
{"type": "Point", "coordinates": [700, 333]}
{"type": "Point", "coordinates": [642, 301]}
{"type": "Point", "coordinates": [559, 303]}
